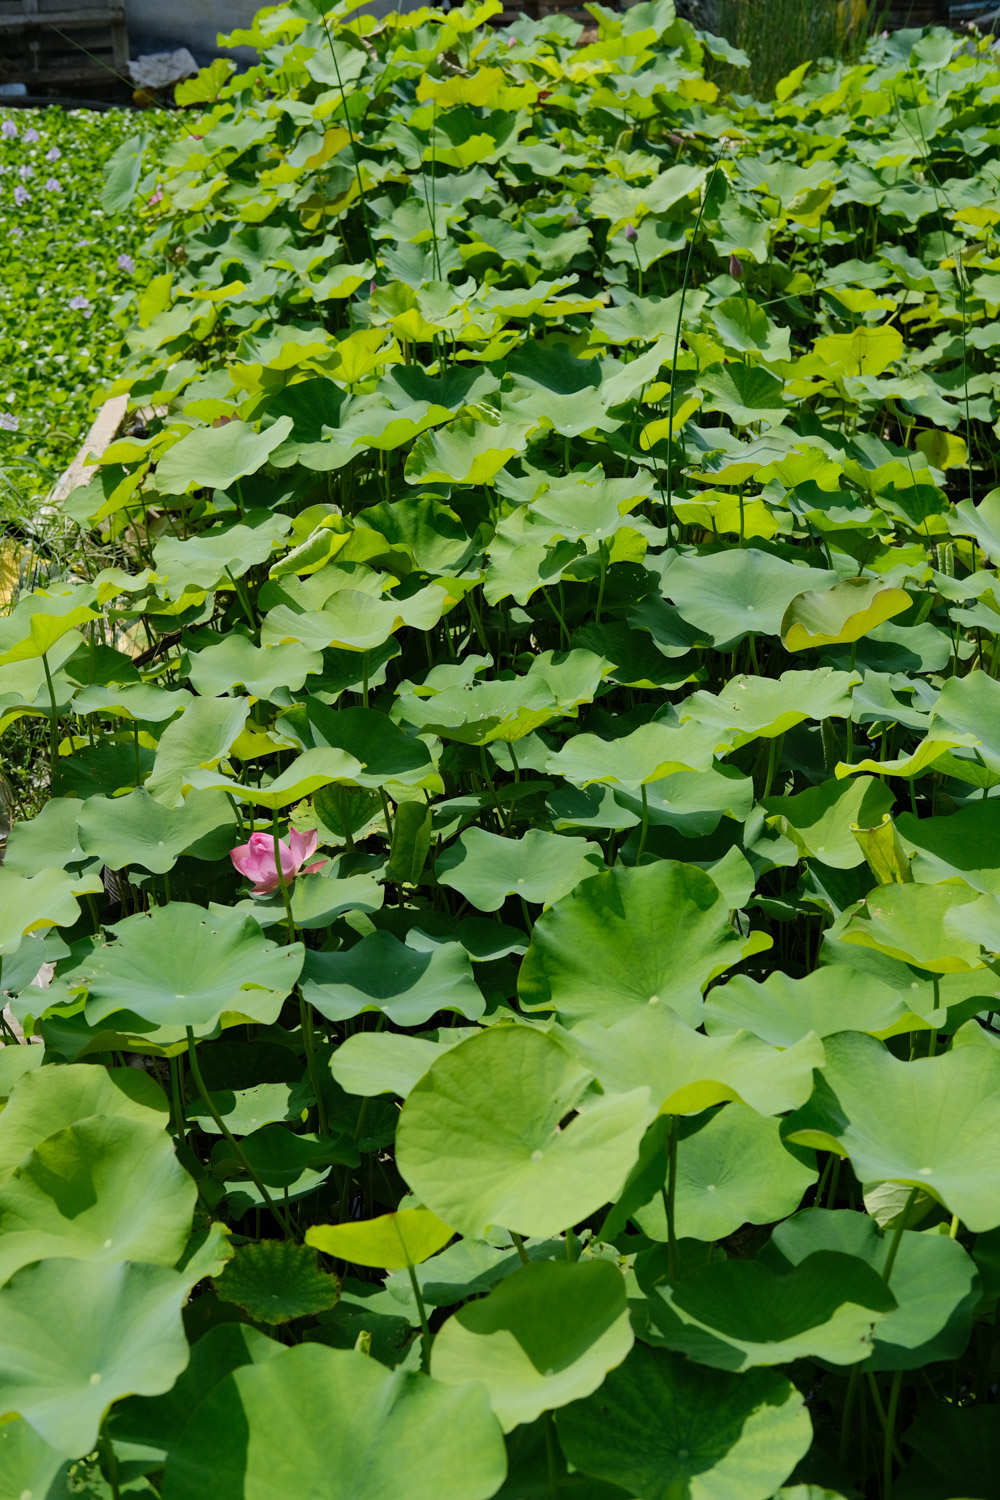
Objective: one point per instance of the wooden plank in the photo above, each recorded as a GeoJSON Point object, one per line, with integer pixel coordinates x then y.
{"type": "Point", "coordinates": [103, 431]}
{"type": "Point", "coordinates": [93, 16]}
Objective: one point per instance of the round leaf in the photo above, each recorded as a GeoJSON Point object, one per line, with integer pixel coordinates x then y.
{"type": "Point", "coordinates": [76, 1335]}
{"type": "Point", "coordinates": [104, 1188]}
{"type": "Point", "coordinates": [630, 937]}
{"type": "Point", "coordinates": [733, 1171]}
{"type": "Point", "coordinates": [481, 1141]}
{"type": "Point", "coordinates": [318, 1421]}
{"type": "Point", "coordinates": [182, 966]}
{"type": "Point", "coordinates": [136, 830]}
{"type": "Point", "coordinates": [540, 867]}
{"type": "Point", "coordinates": [275, 1281]}
{"type": "Point", "coordinates": [380, 973]}
{"type": "Point", "coordinates": [662, 1427]}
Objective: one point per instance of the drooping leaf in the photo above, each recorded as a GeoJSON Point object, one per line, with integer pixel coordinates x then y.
{"type": "Point", "coordinates": [932, 1123]}
{"type": "Point", "coordinates": [933, 1280]}
{"type": "Point", "coordinates": [739, 1313]}
{"type": "Point", "coordinates": [845, 612]}
{"type": "Point", "coordinates": [545, 1336]}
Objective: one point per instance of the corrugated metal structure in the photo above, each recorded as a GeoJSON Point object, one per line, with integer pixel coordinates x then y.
{"type": "Point", "coordinates": [48, 43]}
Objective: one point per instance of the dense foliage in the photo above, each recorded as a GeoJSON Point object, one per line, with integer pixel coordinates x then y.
{"type": "Point", "coordinates": [567, 555]}
{"type": "Point", "coordinates": [65, 262]}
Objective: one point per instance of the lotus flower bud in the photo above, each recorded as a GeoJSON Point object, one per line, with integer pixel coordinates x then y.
{"type": "Point", "coordinates": [735, 268]}
{"type": "Point", "coordinates": [256, 859]}
{"type": "Point", "coordinates": [631, 233]}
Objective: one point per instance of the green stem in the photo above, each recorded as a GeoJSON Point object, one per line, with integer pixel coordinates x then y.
{"type": "Point", "coordinates": [425, 1342]}
{"type": "Point", "coordinates": [53, 717]}
{"type": "Point", "coordinates": [519, 1243]}
{"type": "Point", "coordinates": [889, 1435]}
{"type": "Point", "coordinates": [225, 1131]}
{"type": "Point", "coordinates": [644, 826]}
{"type": "Point", "coordinates": [848, 1411]}
{"type": "Point", "coordinates": [282, 882]}
{"type": "Point", "coordinates": [670, 1199]}
{"type": "Point", "coordinates": [897, 1235]}
{"type": "Point", "coordinates": [354, 143]}
{"type": "Point", "coordinates": [177, 1097]}
{"type": "Point", "coordinates": [551, 1460]}
{"type": "Point", "coordinates": [109, 1465]}
{"type": "Point", "coordinates": [677, 337]}
{"type": "Point", "coordinates": [306, 1016]}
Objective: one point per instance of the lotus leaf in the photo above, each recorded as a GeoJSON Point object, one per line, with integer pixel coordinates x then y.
{"type": "Point", "coordinates": [734, 1170]}
{"type": "Point", "coordinates": [583, 961]}
{"type": "Point", "coordinates": [931, 1123]}
{"type": "Point", "coordinates": [547, 1335]}
{"type": "Point", "coordinates": [933, 1280]}
{"type": "Point", "coordinates": [540, 867]}
{"type": "Point", "coordinates": [737, 1314]}
{"type": "Point", "coordinates": [646, 1426]}
{"type": "Point", "coordinates": [181, 966]}
{"type": "Point", "coordinates": [381, 973]}
{"type": "Point", "coordinates": [404, 1238]}
{"type": "Point", "coordinates": [374, 1425]}
{"type": "Point", "coordinates": [480, 1138]}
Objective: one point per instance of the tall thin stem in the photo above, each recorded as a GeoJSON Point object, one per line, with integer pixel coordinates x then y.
{"type": "Point", "coordinates": [897, 1235]}
{"type": "Point", "coordinates": [53, 717]}
{"type": "Point", "coordinates": [225, 1131]}
{"type": "Point", "coordinates": [677, 337]}
{"type": "Point", "coordinates": [670, 1199]}
{"type": "Point", "coordinates": [354, 143]}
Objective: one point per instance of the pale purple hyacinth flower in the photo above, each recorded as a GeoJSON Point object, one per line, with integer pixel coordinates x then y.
{"type": "Point", "coordinates": [81, 304]}
{"type": "Point", "coordinates": [53, 185]}
{"type": "Point", "coordinates": [24, 172]}
{"type": "Point", "coordinates": [21, 195]}
{"type": "Point", "coordinates": [8, 130]}
{"type": "Point", "coordinates": [8, 421]}
{"type": "Point", "coordinates": [126, 263]}
{"type": "Point", "coordinates": [53, 153]}
{"type": "Point", "coordinates": [31, 135]}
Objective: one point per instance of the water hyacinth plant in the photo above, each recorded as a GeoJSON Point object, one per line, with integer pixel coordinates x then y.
{"type": "Point", "coordinates": [585, 642]}
{"type": "Point", "coordinates": [66, 261]}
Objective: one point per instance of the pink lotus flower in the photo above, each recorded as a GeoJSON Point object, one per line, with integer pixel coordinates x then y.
{"type": "Point", "coordinates": [256, 860]}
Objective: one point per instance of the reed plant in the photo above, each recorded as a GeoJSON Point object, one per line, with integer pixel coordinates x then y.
{"type": "Point", "coordinates": [779, 35]}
